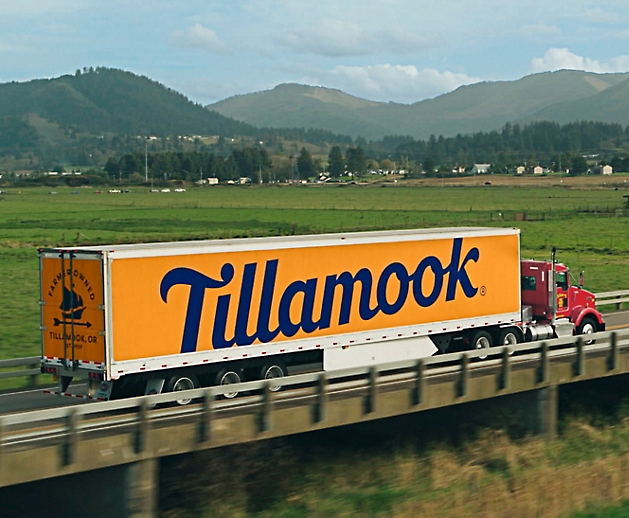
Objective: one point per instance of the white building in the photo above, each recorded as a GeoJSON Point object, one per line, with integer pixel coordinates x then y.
{"type": "Point", "coordinates": [481, 168]}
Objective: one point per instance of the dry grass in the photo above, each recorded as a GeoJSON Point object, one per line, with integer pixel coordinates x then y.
{"type": "Point", "coordinates": [492, 476]}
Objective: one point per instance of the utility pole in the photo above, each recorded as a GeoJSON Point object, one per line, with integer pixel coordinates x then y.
{"type": "Point", "coordinates": [146, 161]}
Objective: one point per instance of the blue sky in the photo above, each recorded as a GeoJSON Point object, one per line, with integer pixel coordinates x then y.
{"type": "Point", "coordinates": [383, 50]}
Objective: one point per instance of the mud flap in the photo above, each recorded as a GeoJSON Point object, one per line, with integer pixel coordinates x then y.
{"type": "Point", "coordinates": [104, 390]}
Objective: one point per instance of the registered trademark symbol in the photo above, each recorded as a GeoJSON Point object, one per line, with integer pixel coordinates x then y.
{"type": "Point", "coordinates": [483, 291]}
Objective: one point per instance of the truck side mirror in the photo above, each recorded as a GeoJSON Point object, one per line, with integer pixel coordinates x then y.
{"type": "Point", "coordinates": [581, 277]}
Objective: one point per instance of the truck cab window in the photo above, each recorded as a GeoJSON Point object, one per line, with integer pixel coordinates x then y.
{"type": "Point", "coordinates": [562, 280]}
{"type": "Point", "coordinates": [528, 283]}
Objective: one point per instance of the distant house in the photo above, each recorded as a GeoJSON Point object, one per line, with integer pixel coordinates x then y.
{"type": "Point", "coordinates": [538, 169]}
{"type": "Point", "coordinates": [520, 169]}
{"type": "Point", "coordinates": [607, 169]}
{"type": "Point", "coordinates": [481, 168]}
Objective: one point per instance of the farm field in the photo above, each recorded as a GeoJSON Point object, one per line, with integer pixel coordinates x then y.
{"type": "Point", "coordinates": [585, 221]}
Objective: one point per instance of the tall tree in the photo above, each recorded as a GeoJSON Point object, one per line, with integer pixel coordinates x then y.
{"type": "Point", "coordinates": [336, 162]}
{"type": "Point", "coordinates": [356, 161]}
{"type": "Point", "coordinates": [305, 164]}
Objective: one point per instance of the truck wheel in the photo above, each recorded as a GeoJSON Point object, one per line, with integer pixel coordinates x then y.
{"type": "Point", "coordinates": [180, 383]}
{"type": "Point", "coordinates": [273, 371]}
{"type": "Point", "coordinates": [481, 340]}
{"type": "Point", "coordinates": [229, 377]}
{"type": "Point", "coordinates": [587, 327]}
{"type": "Point", "coordinates": [509, 336]}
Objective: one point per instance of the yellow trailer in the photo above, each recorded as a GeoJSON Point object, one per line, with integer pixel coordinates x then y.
{"type": "Point", "coordinates": [146, 318]}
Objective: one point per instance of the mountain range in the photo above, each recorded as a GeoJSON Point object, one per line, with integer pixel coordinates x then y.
{"type": "Point", "coordinates": [563, 96]}
{"type": "Point", "coordinates": [105, 100]}
{"type": "Point", "coordinates": [116, 102]}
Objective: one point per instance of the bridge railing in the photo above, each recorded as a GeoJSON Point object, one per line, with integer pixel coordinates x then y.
{"type": "Point", "coordinates": [315, 387]}
{"type": "Point", "coordinates": [616, 298]}
{"type": "Point", "coordinates": [30, 366]}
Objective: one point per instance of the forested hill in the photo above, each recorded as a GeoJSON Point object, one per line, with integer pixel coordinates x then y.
{"type": "Point", "coordinates": [106, 100]}
{"type": "Point", "coordinates": [563, 96]}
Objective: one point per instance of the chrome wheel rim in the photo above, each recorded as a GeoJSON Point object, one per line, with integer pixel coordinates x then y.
{"type": "Point", "coordinates": [183, 384]}
{"type": "Point", "coordinates": [230, 378]}
{"type": "Point", "coordinates": [274, 372]}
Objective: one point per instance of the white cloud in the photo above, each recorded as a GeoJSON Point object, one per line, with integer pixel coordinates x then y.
{"type": "Point", "coordinates": [386, 82]}
{"type": "Point", "coordinates": [559, 59]}
{"type": "Point", "coordinates": [340, 38]}
{"type": "Point", "coordinates": [199, 37]}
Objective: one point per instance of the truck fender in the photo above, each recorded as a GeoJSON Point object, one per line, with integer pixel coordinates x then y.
{"type": "Point", "coordinates": [579, 313]}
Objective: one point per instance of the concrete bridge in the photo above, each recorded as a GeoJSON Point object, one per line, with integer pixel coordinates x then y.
{"type": "Point", "coordinates": [102, 459]}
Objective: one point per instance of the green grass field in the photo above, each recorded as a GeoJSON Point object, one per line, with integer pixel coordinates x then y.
{"type": "Point", "coordinates": [587, 226]}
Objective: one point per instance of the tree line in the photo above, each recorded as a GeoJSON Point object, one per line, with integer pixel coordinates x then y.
{"type": "Point", "coordinates": [574, 146]}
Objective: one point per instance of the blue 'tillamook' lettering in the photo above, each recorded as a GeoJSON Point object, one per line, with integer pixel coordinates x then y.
{"type": "Point", "coordinates": [292, 319]}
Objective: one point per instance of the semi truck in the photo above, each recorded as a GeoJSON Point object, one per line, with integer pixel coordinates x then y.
{"type": "Point", "coordinates": [136, 319]}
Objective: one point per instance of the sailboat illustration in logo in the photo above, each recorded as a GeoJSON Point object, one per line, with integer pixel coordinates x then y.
{"type": "Point", "coordinates": [72, 309]}
{"type": "Point", "coordinates": [72, 305]}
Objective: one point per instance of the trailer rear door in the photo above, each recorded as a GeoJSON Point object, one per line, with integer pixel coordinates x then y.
{"type": "Point", "coordinates": [72, 307]}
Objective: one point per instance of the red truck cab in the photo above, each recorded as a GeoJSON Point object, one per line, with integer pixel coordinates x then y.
{"type": "Point", "coordinates": [566, 302]}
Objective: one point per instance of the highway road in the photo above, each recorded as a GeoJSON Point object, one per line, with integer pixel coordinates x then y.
{"type": "Point", "coordinates": [36, 399]}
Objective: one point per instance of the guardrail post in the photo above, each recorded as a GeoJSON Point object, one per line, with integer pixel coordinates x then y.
{"type": "Point", "coordinates": [618, 304]}
{"type": "Point", "coordinates": [370, 401]}
{"type": "Point", "coordinates": [465, 375]}
{"type": "Point", "coordinates": [543, 375]}
{"type": "Point", "coordinates": [579, 367]}
{"type": "Point", "coordinates": [34, 378]}
{"type": "Point", "coordinates": [419, 391]}
{"type": "Point", "coordinates": [320, 408]}
{"type": "Point", "coordinates": [2, 432]}
{"type": "Point", "coordinates": [505, 377]}
{"type": "Point", "coordinates": [141, 434]}
{"type": "Point", "coordinates": [267, 408]}
{"type": "Point", "coordinates": [612, 361]}
{"type": "Point", "coordinates": [72, 437]}
{"type": "Point", "coordinates": [207, 414]}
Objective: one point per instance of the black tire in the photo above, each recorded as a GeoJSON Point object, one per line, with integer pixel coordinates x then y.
{"type": "Point", "coordinates": [509, 336]}
{"type": "Point", "coordinates": [229, 376]}
{"type": "Point", "coordinates": [587, 326]}
{"type": "Point", "coordinates": [181, 382]}
{"type": "Point", "coordinates": [481, 340]}
{"type": "Point", "coordinates": [273, 371]}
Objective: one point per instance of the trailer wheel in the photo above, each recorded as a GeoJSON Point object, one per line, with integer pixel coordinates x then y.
{"type": "Point", "coordinates": [587, 327]}
{"type": "Point", "coordinates": [229, 377]}
{"type": "Point", "coordinates": [509, 336]}
{"type": "Point", "coordinates": [273, 371]}
{"type": "Point", "coordinates": [179, 383]}
{"type": "Point", "coordinates": [481, 340]}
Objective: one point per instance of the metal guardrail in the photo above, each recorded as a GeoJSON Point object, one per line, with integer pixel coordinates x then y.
{"type": "Point", "coordinates": [38, 425]}
{"type": "Point", "coordinates": [607, 298]}
{"type": "Point", "coordinates": [612, 297]}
